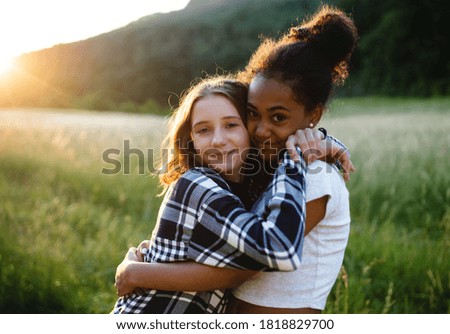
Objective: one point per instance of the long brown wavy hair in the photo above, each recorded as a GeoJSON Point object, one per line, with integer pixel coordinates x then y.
{"type": "Point", "coordinates": [178, 148]}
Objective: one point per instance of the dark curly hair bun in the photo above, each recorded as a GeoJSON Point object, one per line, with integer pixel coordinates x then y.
{"type": "Point", "coordinates": [333, 34]}
{"type": "Point", "coordinates": [309, 58]}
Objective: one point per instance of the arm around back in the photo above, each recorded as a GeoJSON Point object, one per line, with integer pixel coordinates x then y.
{"type": "Point", "coordinates": [247, 240]}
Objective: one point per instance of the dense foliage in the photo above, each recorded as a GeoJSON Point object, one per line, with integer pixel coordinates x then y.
{"type": "Point", "coordinates": [403, 51]}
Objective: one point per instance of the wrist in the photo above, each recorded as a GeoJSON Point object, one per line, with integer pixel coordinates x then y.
{"type": "Point", "coordinates": [136, 275]}
{"type": "Point", "coordinates": [128, 274]}
{"type": "Point", "coordinates": [324, 132]}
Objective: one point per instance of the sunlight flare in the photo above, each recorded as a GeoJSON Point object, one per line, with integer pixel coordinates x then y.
{"type": "Point", "coordinates": [6, 65]}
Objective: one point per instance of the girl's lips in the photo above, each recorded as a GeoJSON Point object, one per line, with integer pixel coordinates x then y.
{"type": "Point", "coordinates": [232, 152]}
{"type": "Point", "coordinates": [267, 145]}
{"type": "Point", "coordinates": [219, 154]}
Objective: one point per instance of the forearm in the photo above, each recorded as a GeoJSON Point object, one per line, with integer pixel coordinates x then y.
{"type": "Point", "coordinates": [184, 276]}
{"type": "Point", "coordinates": [273, 242]}
{"type": "Point", "coordinates": [280, 237]}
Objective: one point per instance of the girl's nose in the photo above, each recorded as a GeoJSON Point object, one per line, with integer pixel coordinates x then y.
{"type": "Point", "coordinates": [218, 138]}
{"type": "Point", "coordinates": [262, 131]}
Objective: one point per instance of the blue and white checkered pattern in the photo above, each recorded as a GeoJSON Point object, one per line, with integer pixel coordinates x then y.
{"type": "Point", "coordinates": [201, 220]}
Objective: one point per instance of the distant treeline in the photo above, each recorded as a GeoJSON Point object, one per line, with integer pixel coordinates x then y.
{"type": "Point", "coordinates": [403, 50]}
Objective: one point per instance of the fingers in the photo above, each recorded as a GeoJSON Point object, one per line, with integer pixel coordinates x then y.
{"type": "Point", "coordinates": [319, 135]}
{"type": "Point", "coordinates": [324, 132]}
{"type": "Point", "coordinates": [132, 255]}
{"type": "Point", "coordinates": [313, 139]}
{"type": "Point", "coordinates": [345, 174]}
{"type": "Point", "coordinates": [309, 142]}
{"type": "Point", "coordinates": [142, 250]}
{"type": "Point", "coordinates": [140, 255]}
{"type": "Point", "coordinates": [316, 144]}
{"type": "Point", "coordinates": [306, 141]}
{"type": "Point", "coordinates": [347, 166]}
{"type": "Point", "coordinates": [121, 281]}
{"type": "Point", "coordinates": [131, 251]}
{"type": "Point", "coordinates": [291, 148]}
{"type": "Point", "coordinates": [143, 244]}
{"type": "Point", "coordinates": [313, 147]}
{"type": "Point", "coordinates": [121, 290]}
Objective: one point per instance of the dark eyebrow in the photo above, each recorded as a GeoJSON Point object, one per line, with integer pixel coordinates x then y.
{"type": "Point", "coordinates": [271, 109]}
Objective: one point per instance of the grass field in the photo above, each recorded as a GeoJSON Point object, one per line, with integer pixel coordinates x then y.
{"type": "Point", "coordinates": [64, 225]}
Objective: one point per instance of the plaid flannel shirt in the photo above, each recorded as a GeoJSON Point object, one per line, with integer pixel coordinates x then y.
{"type": "Point", "coordinates": [201, 220]}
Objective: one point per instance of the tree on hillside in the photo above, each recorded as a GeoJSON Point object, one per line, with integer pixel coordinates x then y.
{"type": "Point", "coordinates": [404, 48]}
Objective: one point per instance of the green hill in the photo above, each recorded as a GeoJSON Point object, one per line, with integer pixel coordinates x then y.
{"type": "Point", "coordinates": [159, 55]}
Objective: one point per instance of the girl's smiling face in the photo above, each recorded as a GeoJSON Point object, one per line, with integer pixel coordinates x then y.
{"type": "Point", "coordinates": [273, 115]}
{"type": "Point", "coordinates": [220, 136]}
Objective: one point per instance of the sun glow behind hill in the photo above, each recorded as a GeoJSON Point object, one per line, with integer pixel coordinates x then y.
{"type": "Point", "coordinates": [29, 25]}
{"type": "Point", "coordinates": [6, 65]}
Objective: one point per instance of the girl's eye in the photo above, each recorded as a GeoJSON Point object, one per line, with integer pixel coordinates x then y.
{"type": "Point", "coordinates": [279, 118]}
{"type": "Point", "coordinates": [201, 131]}
{"type": "Point", "coordinates": [232, 125]}
{"type": "Point", "coordinates": [252, 113]}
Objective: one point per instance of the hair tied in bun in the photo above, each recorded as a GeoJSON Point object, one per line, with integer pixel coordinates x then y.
{"type": "Point", "coordinates": [300, 33]}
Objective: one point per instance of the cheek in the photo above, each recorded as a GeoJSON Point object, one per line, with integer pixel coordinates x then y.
{"type": "Point", "coordinates": [300, 122]}
{"type": "Point", "coordinates": [282, 133]}
{"type": "Point", "coordinates": [199, 145]}
{"type": "Point", "coordinates": [251, 128]}
{"type": "Point", "coordinates": [245, 144]}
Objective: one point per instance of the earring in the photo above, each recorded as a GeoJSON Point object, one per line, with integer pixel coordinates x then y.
{"type": "Point", "coordinates": [311, 125]}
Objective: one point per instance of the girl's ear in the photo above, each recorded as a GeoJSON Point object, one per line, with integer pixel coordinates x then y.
{"type": "Point", "coordinates": [316, 115]}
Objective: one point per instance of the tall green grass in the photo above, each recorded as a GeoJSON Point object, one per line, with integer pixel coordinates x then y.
{"type": "Point", "coordinates": [64, 226]}
{"type": "Point", "coordinates": [397, 259]}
